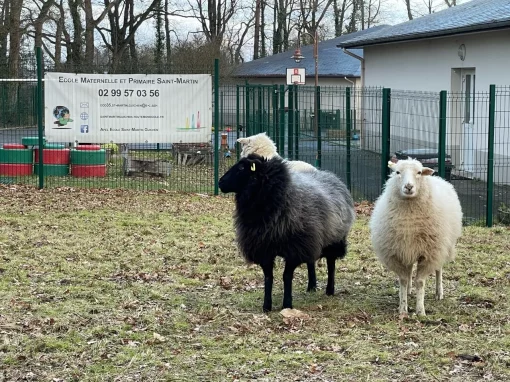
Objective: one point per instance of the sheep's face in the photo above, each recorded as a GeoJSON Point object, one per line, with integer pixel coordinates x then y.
{"type": "Point", "coordinates": [259, 144]}
{"type": "Point", "coordinates": [408, 175]}
{"type": "Point", "coordinates": [239, 175]}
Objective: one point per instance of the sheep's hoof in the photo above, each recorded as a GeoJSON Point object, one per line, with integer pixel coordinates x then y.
{"type": "Point", "coordinates": [420, 312]}
{"type": "Point", "coordinates": [266, 309]}
{"type": "Point", "coordinates": [439, 296]}
{"type": "Point", "coordinates": [330, 291]}
{"type": "Point", "coordinates": [311, 288]}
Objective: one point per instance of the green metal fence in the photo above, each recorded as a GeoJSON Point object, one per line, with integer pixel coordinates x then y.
{"type": "Point", "coordinates": [464, 137]}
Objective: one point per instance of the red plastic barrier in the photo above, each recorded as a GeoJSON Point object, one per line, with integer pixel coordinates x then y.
{"type": "Point", "coordinates": [86, 171]}
{"type": "Point", "coordinates": [15, 169]}
{"type": "Point", "coordinates": [88, 147]}
{"type": "Point", "coordinates": [13, 146]}
{"type": "Point", "coordinates": [53, 156]}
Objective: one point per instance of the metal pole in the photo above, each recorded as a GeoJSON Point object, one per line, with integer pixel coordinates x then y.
{"type": "Point", "coordinates": [290, 127]}
{"type": "Point", "coordinates": [318, 160]}
{"type": "Point", "coordinates": [348, 125]}
{"type": "Point", "coordinates": [316, 57]}
{"type": "Point", "coordinates": [238, 153]}
{"type": "Point", "coordinates": [216, 124]}
{"type": "Point", "coordinates": [490, 155]}
{"type": "Point", "coordinates": [442, 134]}
{"type": "Point", "coordinates": [40, 107]}
{"type": "Point", "coordinates": [281, 128]}
{"type": "Point", "coordinates": [385, 136]}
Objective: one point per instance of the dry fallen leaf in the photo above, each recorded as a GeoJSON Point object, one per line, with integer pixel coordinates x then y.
{"type": "Point", "coordinates": [294, 313]}
{"type": "Point", "coordinates": [158, 337]}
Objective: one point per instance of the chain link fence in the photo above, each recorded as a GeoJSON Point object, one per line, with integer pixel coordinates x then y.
{"type": "Point", "coordinates": [352, 132]}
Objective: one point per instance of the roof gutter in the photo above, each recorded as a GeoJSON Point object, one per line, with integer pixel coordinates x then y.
{"type": "Point", "coordinates": [362, 61]}
{"type": "Point", "coordinates": [429, 35]}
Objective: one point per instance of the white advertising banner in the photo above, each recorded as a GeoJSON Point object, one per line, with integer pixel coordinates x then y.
{"type": "Point", "coordinates": [128, 108]}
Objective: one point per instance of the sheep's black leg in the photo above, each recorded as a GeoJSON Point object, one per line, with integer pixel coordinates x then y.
{"type": "Point", "coordinates": [331, 253]}
{"type": "Point", "coordinates": [330, 289]}
{"type": "Point", "coordinates": [288, 275]}
{"type": "Point", "coordinates": [312, 277]}
{"type": "Point", "coordinates": [268, 286]}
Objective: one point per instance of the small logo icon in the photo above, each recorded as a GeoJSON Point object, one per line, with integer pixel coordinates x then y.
{"type": "Point", "coordinates": [84, 129]}
{"type": "Point", "coordinates": [84, 116]}
{"type": "Point", "coordinates": [84, 104]}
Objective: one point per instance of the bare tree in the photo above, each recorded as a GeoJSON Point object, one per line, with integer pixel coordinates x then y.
{"type": "Point", "coordinates": [214, 18]}
{"type": "Point", "coordinates": [408, 7]}
{"type": "Point", "coordinates": [4, 31]}
{"type": "Point", "coordinates": [90, 25]}
{"type": "Point", "coordinates": [14, 38]}
{"type": "Point", "coordinates": [256, 37]}
{"type": "Point", "coordinates": [119, 36]}
{"type": "Point", "coordinates": [313, 12]}
{"type": "Point", "coordinates": [451, 3]}
{"type": "Point", "coordinates": [339, 9]}
{"type": "Point", "coordinates": [167, 34]}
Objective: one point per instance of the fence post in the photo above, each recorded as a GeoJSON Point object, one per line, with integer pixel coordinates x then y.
{"type": "Point", "coordinates": [40, 113]}
{"type": "Point", "coordinates": [290, 137]}
{"type": "Point", "coordinates": [238, 105]}
{"type": "Point", "coordinates": [348, 126]}
{"type": "Point", "coordinates": [385, 134]}
{"type": "Point", "coordinates": [247, 109]}
{"type": "Point", "coordinates": [275, 113]}
{"type": "Point", "coordinates": [490, 155]}
{"type": "Point", "coordinates": [216, 124]}
{"type": "Point", "coordinates": [297, 120]}
{"type": "Point", "coordinates": [441, 157]}
{"type": "Point", "coordinates": [318, 161]}
{"type": "Point", "coordinates": [281, 129]}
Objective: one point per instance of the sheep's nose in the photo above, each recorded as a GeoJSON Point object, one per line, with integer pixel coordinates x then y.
{"type": "Point", "coordinates": [409, 186]}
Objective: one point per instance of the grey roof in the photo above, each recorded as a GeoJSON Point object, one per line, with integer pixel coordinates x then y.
{"type": "Point", "coordinates": [473, 16]}
{"type": "Point", "coordinates": [332, 61]}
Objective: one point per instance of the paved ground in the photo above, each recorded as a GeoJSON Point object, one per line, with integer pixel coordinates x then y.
{"type": "Point", "coordinates": [365, 172]}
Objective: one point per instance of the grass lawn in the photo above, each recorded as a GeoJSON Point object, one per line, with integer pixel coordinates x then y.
{"type": "Point", "coordinates": [100, 285]}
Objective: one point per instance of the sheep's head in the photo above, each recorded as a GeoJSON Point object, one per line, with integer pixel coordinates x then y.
{"type": "Point", "coordinates": [259, 144]}
{"type": "Point", "coordinates": [241, 174]}
{"type": "Point", "coordinates": [407, 175]}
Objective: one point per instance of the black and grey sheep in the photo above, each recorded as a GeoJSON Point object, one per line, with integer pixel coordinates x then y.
{"type": "Point", "coordinates": [300, 216]}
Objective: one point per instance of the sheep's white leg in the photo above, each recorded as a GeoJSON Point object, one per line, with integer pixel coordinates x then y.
{"type": "Point", "coordinates": [410, 284]}
{"type": "Point", "coordinates": [439, 284]}
{"type": "Point", "coordinates": [404, 282]}
{"type": "Point", "coordinates": [422, 271]}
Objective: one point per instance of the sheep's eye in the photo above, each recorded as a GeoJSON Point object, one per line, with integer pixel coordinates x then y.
{"type": "Point", "coordinates": [241, 167]}
{"type": "Point", "coordinates": [398, 172]}
{"type": "Point", "coordinates": [419, 172]}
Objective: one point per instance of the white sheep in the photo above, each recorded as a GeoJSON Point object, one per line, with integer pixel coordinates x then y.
{"type": "Point", "coordinates": [417, 219]}
{"type": "Point", "coordinates": [264, 146]}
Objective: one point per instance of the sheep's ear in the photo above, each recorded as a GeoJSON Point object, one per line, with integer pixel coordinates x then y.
{"type": "Point", "coordinates": [427, 171]}
{"type": "Point", "coordinates": [243, 141]}
{"type": "Point", "coordinates": [391, 164]}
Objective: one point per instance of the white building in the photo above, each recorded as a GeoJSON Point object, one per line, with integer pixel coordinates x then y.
{"type": "Point", "coordinates": [462, 50]}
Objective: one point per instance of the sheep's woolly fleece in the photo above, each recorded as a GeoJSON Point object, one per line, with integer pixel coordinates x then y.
{"type": "Point", "coordinates": [417, 219]}
{"type": "Point", "coordinates": [264, 146]}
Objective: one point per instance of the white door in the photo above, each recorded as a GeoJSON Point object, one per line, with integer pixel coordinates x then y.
{"type": "Point", "coordinates": [468, 78]}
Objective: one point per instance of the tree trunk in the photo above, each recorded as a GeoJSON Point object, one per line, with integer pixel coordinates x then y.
{"type": "Point", "coordinates": [408, 7]}
{"type": "Point", "coordinates": [76, 44]}
{"type": "Point", "coordinates": [41, 19]}
{"type": "Point", "coordinates": [4, 34]}
{"type": "Point", "coordinates": [256, 35]}
{"type": "Point", "coordinates": [263, 51]}
{"type": "Point", "coordinates": [15, 38]}
{"type": "Point", "coordinates": [167, 37]}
